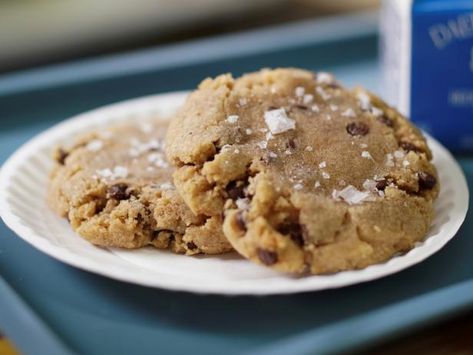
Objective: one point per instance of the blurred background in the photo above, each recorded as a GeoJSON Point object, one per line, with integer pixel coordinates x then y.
{"type": "Point", "coordinates": [39, 32]}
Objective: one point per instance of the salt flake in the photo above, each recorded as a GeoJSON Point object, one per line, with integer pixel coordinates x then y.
{"type": "Point", "coordinates": [278, 121]}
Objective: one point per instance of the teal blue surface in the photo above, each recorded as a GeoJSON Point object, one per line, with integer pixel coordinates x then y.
{"type": "Point", "coordinates": [90, 314]}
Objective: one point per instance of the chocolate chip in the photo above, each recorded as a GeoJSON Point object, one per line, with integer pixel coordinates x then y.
{"type": "Point", "coordinates": [294, 231]}
{"type": "Point", "coordinates": [301, 107]}
{"type": "Point", "coordinates": [426, 181]}
{"type": "Point", "coordinates": [386, 120]}
{"type": "Point", "coordinates": [381, 184]}
{"type": "Point", "coordinates": [270, 108]}
{"type": "Point", "coordinates": [191, 246]}
{"type": "Point", "coordinates": [291, 144]}
{"type": "Point", "coordinates": [358, 129]}
{"type": "Point", "coordinates": [267, 257]}
{"type": "Point", "coordinates": [61, 156]}
{"type": "Point", "coordinates": [240, 221]}
{"type": "Point", "coordinates": [119, 192]}
{"type": "Point", "coordinates": [407, 146]}
{"type": "Point", "coordinates": [235, 190]}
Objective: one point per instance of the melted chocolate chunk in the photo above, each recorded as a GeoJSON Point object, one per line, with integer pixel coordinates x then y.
{"type": "Point", "coordinates": [386, 120]}
{"type": "Point", "coordinates": [301, 107]}
{"type": "Point", "coordinates": [381, 184]}
{"type": "Point", "coordinates": [407, 146]}
{"type": "Point", "coordinates": [191, 246]}
{"type": "Point", "coordinates": [358, 129]}
{"type": "Point", "coordinates": [295, 231]}
{"type": "Point", "coordinates": [61, 156]}
{"type": "Point", "coordinates": [267, 257]}
{"type": "Point", "coordinates": [119, 192]}
{"type": "Point", "coordinates": [240, 221]}
{"type": "Point", "coordinates": [426, 180]}
{"type": "Point", "coordinates": [235, 190]}
{"type": "Point", "coordinates": [291, 144]}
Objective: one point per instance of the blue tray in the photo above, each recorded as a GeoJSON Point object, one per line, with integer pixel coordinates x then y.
{"type": "Point", "coordinates": [47, 307]}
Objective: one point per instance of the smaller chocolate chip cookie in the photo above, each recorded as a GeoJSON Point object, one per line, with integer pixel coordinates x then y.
{"type": "Point", "coordinates": [115, 188]}
{"type": "Point", "coordinates": [312, 177]}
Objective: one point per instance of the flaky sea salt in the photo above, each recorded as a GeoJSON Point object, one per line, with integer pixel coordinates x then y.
{"type": "Point", "coordinates": [95, 145]}
{"type": "Point", "coordinates": [405, 163]}
{"type": "Point", "coordinates": [243, 203]}
{"type": "Point", "coordinates": [242, 102]}
{"type": "Point", "coordinates": [323, 165]}
{"type": "Point", "coordinates": [248, 131]}
{"type": "Point", "coordinates": [146, 127]}
{"type": "Point", "coordinates": [287, 152]}
{"type": "Point", "coordinates": [167, 186]}
{"type": "Point", "coordinates": [325, 175]}
{"type": "Point", "coordinates": [225, 148]}
{"type": "Point", "coordinates": [278, 121]}
{"type": "Point", "coordinates": [399, 154]}
{"type": "Point", "coordinates": [364, 101]}
{"type": "Point", "coordinates": [317, 184]}
{"type": "Point", "coordinates": [299, 91]}
{"type": "Point", "coordinates": [308, 98]}
{"type": "Point", "coordinates": [324, 78]}
{"type": "Point", "coordinates": [351, 195]}
{"type": "Point", "coordinates": [309, 148]}
{"type": "Point", "coordinates": [315, 108]}
{"type": "Point", "coordinates": [348, 113]}
{"type": "Point", "coordinates": [370, 185]}
{"type": "Point", "coordinates": [118, 172]}
{"type": "Point", "coordinates": [272, 155]}
{"type": "Point", "coordinates": [334, 108]}
{"type": "Point", "coordinates": [366, 154]}
{"type": "Point", "coordinates": [137, 147]}
{"type": "Point", "coordinates": [376, 111]}
{"type": "Point", "coordinates": [158, 159]}
{"type": "Point", "coordinates": [323, 94]}
{"type": "Point", "coordinates": [298, 186]}
{"type": "Point", "coordinates": [233, 118]}
{"type": "Point", "coordinates": [262, 144]}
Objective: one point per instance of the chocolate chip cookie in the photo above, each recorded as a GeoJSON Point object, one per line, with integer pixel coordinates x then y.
{"type": "Point", "coordinates": [115, 187]}
{"type": "Point", "coordinates": [310, 176]}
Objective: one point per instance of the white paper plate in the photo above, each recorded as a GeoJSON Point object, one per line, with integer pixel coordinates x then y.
{"type": "Point", "coordinates": [23, 186]}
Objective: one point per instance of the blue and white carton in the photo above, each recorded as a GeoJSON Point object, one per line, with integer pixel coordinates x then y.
{"type": "Point", "coordinates": [427, 54]}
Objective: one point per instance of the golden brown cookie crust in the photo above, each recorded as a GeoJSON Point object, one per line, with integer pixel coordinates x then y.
{"type": "Point", "coordinates": [311, 176]}
{"type": "Point", "coordinates": [115, 187]}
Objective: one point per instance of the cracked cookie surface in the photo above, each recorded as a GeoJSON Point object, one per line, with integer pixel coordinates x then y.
{"type": "Point", "coordinates": [115, 187]}
{"type": "Point", "coordinates": [310, 176]}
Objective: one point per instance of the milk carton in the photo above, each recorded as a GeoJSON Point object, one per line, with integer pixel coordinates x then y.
{"type": "Point", "coordinates": [427, 55]}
